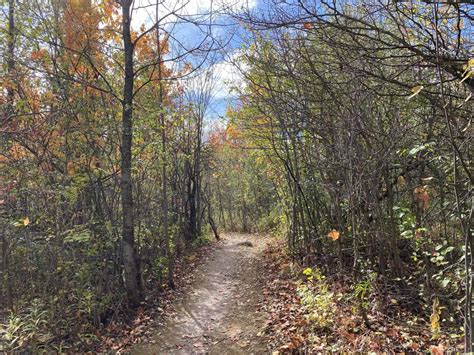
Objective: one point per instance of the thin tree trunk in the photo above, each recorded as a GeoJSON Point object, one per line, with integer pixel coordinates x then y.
{"type": "Point", "coordinates": [164, 176]}
{"type": "Point", "coordinates": [192, 206]}
{"type": "Point", "coordinates": [4, 253]}
{"type": "Point", "coordinates": [221, 208]}
{"type": "Point", "coordinates": [197, 175]}
{"type": "Point", "coordinates": [11, 58]}
{"type": "Point", "coordinates": [131, 273]}
{"type": "Point", "coordinates": [207, 202]}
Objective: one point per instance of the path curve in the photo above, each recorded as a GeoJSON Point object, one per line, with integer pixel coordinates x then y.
{"type": "Point", "coordinates": [220, 312]}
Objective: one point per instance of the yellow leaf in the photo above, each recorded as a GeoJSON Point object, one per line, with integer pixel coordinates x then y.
{"type": "Point", "coordinates": [468, 66]}
{"type": "Point", "coordinates": [333, 234]}
{"type": "Point", "coordinates": [469, 69]}
{"type": "Point", "coordinates": [26, 221]}
{"type": "Point", "coordinates": [435, 318]}
{"type": "Point", "coordinates": [415, 90]}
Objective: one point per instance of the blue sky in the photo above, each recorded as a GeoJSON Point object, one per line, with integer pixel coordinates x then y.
{"type": "Point", "coordinates": [178, 17]}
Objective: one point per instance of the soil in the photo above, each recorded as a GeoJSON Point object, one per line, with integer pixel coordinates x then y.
{"type": "Point", "coordinates": [221, 312]}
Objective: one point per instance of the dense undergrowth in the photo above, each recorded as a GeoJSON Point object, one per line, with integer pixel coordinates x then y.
{"type": "Point", "coordinates": [312, 312]}
{"type": "Point", "coordinates": [90, 324]}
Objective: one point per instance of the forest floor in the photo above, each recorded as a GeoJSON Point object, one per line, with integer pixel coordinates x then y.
{"type": "Point", "coordinates": [221, 310]}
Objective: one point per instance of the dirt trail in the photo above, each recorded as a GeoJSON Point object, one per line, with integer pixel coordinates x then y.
{"type": "Point", "coordinates": [219, 314]}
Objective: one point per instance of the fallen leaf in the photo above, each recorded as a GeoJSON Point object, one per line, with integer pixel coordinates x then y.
{"type": "Point", "coordinates": [415, 90]}
{"type": "Point", "coordinates": [333, 234]}
{"type": "Point", "coordinates": [401, 181]}
{"type": "Point", "coordinates": [437, 350]}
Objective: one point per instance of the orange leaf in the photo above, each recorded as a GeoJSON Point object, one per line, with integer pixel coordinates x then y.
{"type": "Point", "coordinates": [36, 55]}
{"type": "Point", "coordinates": [333, 234]}
{"type": "Point", "coordinates": [288, 346]}
{"type": "Point", "coordinates": [421, 194]}
{"type": "Point", "coordinates": [437, 350]}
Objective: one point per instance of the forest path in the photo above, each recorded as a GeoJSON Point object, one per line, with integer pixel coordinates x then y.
{"type": "Point", "coordinates": [220, 312]}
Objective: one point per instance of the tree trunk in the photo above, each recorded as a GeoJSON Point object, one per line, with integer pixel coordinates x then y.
{"type": "Point", "coordinates": [164, 176]}
{"type": "Point", "coordinates": [192, 207]}
{"type": "Point", "coordinates": [11, 58]}
{"type": "Point", "coordinates": [197, 175]}
{"type": "Point", "coordinates": [131, 273]}
{"type": "Point", "coordinates": [5, 276]}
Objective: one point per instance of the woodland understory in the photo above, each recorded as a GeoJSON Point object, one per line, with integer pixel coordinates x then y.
{"type": "Point", "coordinates": [347, 138]}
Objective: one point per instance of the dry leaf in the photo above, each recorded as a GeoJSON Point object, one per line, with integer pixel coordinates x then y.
{"type": "Point", "coordinates": [437, 350]}
{"type": "Point", "coordinates": [421, 194]}
{"type": "Point", "coordinates": [401, 181]}
{"type": "Point", "coordinates": [415, 90]}
{"type": "Point", "coordinates": [288, 346]}
{"type": "Point", "coordinates": [333, 234]}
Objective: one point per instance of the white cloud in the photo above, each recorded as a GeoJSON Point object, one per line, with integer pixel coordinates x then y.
{"type": "Point", "coordinates": [145, 10]}
{"type": "Point", "coordinates": [228, 77]}
{"type": "Point", "coordinates": [224, 78]}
